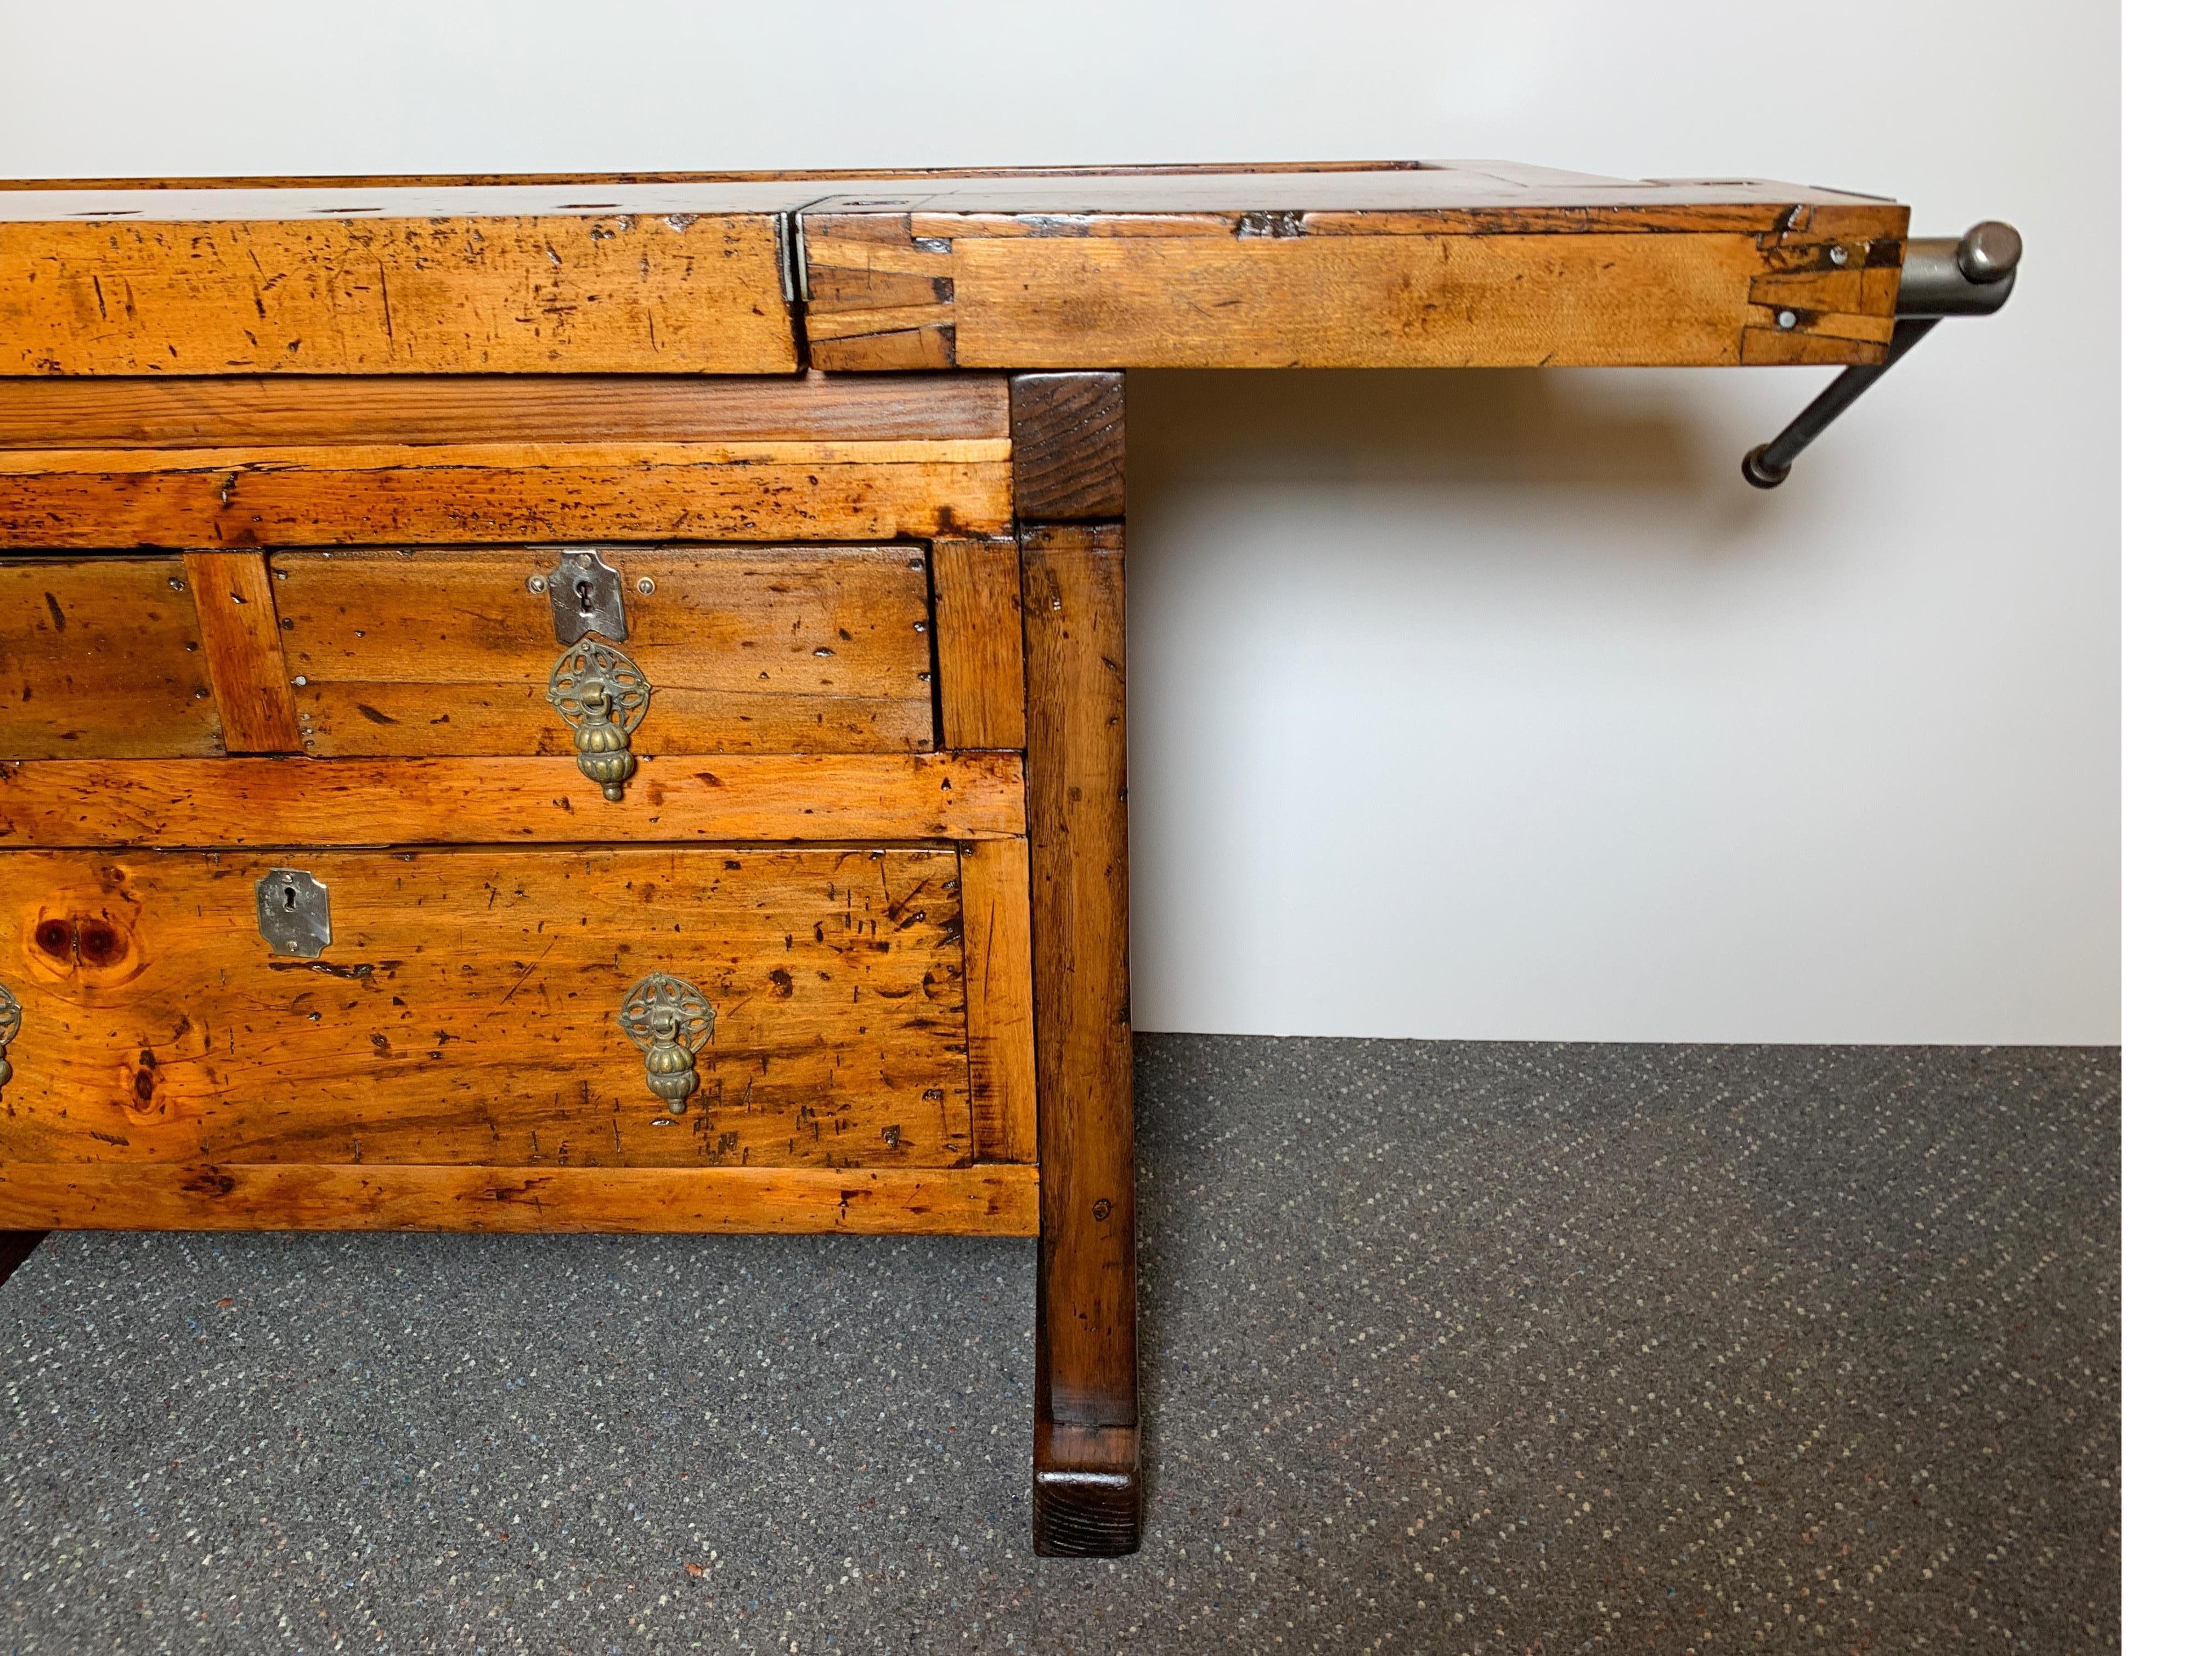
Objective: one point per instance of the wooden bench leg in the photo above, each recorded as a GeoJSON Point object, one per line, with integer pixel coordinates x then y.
{"type": "Point", "coordinates": [1086, 1489]}
{"type": "Point", "coordinates": [15, 1246]}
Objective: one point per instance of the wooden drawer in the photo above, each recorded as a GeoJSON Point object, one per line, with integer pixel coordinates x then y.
{"type": "Point", "coordinates": [443, 651]}
{"type": "Point", "coordinates": [101, 658]}
{"type": "Point", "coordinates": [469, 1009]}
{"type": "Point", "coordinates": [771, 650]}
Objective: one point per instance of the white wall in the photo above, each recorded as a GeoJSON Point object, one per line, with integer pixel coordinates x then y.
{"type": "Point", "coordinates": [1464, 704]}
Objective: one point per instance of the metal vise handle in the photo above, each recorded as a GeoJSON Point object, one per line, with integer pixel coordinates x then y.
{"type": "Point", "coordinates": [1971, 276]}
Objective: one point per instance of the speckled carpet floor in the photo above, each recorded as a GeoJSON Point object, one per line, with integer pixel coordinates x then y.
{"type": "Point", "coordinates": [1448, 1348]}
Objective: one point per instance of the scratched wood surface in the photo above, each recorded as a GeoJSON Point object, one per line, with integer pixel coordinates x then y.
{"type": "Point", "coordinates": [102, 658]}
{"type": "Point", "coordinates": [1076, 629]}
{"type": "Point", "coordinates": [464, 1011]}
{"type": "Point", "coordinates": [916, 290]}
{"type": "Point", "coordinates": [439, 289]}
{"type": "Point", "coordinates": [441, 650]}
{"type": "Point", "coordinates": [518, 801]}
{"type": "Point", "coordinates": [979, 643]}
{"type": "Point", "coordinates": [400, 494]}
{"type": "Point", "coordinates": [277, 410]}
{"type": "Point", "coordinates": [994, 901]}
{"type": "Point", "coordinates": [1455, 263]}
{"type": "Point", "coordinates": [982, 1200]}
{"type": "Point", "coordinates": [240, 637]}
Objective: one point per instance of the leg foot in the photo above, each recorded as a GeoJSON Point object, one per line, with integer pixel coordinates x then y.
{"type": "Point", "coordinates": [15, 1247]}
{"type": "Point", "coordinates": [1087, 1497]}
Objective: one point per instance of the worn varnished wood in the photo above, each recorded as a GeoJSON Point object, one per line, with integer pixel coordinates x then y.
{"type": "Point", "coordinates": [239, 634]}
{"type": "Point", "coordinates": [1075, 631]}
{"type": "Point", "coordinates": [465, 1009]}
{"type": "Point", "coordinates": [999, 296]}
{"type": "Point", "coordinates": [398, 493]}
{"type": "Point", "coordinates": [982, 1200]}
{"type": "Point", "coordinates": [1070, 453]}
{"type": "Point", "coordinates": [441, 650]}
{"type": "Point", "coordinates": [428, 281]}
{"type": "Point", "coordinates": [1460, 262]}
{"type": "Point", "coordinates": [1458, 265]}
{"type": "Point", "coordinates": [101, 658]}
{"type": "Point", "coordinates": [978, 591]}
{"type": "Point", "coordinates": [994, 904]}
{"type": "Point", "coordinates": [277, 410]}
{"type": "Point", "coordinates": [508, 802]}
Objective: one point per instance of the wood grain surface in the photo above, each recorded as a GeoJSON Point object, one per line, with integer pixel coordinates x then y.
{"type": "Point", "coordinates": [240, 635]}
{"type": "Point", "coordinates": [1070, 450]}
{"type": "Point", "coordinates": [984, 1201]}
{"type": "Point", "coordinates": [490, 293]}
{"type": "Point", "coordinates": [442, 650]}
{"type": "Point", "coordinates": [1086, 1488]}
{"type": "Point", "coordinates": [100, 658]}
{"type": "Point", "coordinates": [979, 643]}
{"type": "Point", "coordinates": [994, 901]}
{"type": "Point", "coordinates": [1086, 1477]}
{"type": "Point", "coordinates": [464, 1011]}
{"type": "Point", "coordinates": [396, 494]}
{"type": "Point", "coordinates": [276, 410]}
{"type": "Point", "coordinates": [1074, 606]}
{"type": "Point", "coordinates": [1398, 262]}
{"type": "Point", "coordinates": [508, 802]}
{"type": "Point", "coordinates": [941, 290]}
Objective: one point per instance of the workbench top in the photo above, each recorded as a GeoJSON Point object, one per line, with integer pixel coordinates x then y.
{"type": "Point", "coordinates": [1443, 264]}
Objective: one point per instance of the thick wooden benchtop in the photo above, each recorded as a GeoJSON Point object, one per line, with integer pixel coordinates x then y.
{"type": "Point", "coordinates": [1439, 264]}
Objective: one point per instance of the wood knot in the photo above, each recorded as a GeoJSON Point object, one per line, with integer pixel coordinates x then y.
{"type": "Point", "coordinates": [94, 948]}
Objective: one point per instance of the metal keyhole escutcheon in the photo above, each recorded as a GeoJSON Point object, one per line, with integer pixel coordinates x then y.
{"type": "Point", "coordinates": [670, 1020]}
{"type": "Point", "coordinates": [11, 1025]}
{"type": "Point", "coordinates": [602, 696]}
{"type": "Point", "coordinates": [294, 908]}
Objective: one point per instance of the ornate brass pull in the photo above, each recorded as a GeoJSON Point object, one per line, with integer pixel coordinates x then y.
{"type": "Point", "coordinates": [11, 1024]}
{"type": "Point", "coordinates": [602, 696]}
{"type": "Point", "coordinates": [670, 1020]}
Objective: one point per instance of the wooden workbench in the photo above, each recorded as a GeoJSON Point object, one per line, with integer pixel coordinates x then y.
{"type": "Point", "coordinates": [800, 901]}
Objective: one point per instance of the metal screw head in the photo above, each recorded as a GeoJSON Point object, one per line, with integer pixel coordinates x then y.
{"type": "Point", "coordinates": [536, 583]}
{"type": "Point", "coordinates": [1786, 320]}
{"type": "Point", "coordinates": [1838, 256]}
{"type": "Point", "coordinates": [645, 585]}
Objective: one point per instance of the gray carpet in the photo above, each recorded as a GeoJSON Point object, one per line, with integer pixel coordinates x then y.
{"type": "Point", "coordinates": [1448, 1348]}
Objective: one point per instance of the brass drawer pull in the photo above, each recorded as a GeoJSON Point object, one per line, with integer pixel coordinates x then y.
{"type": "Point", "coordinates": [602, 696]}
{"type": "Point", "coordinates": [670, 1020]}
{"type": "Point", "coordinates": [11, 1024]}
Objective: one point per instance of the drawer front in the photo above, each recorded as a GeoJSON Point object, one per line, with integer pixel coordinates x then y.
{"type": "Point", "coordinates": [469, 1009]}
{"type": "Point", "coordinates": [101, 658]}
{"type": "Point", "coordinates": [445, 653]}
{"type": "Point", "coordinates": [775, 649]}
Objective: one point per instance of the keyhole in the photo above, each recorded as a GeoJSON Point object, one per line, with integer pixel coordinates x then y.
{"type": "Point", "coordinates": [583, 598]}
{"type": "Point", "coordinates": [291, 899]}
